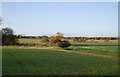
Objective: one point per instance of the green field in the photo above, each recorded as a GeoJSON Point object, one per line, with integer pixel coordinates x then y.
{"type": "Point", "coordinates": [109, 49]}
{"type": "Point", "coordinates": [21, 61]}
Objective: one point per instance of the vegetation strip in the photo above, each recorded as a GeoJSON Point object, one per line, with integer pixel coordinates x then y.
{"type": "Point", "coordinates": [84, 53]}
{"type": "Point", "coordinates": [78, 52]}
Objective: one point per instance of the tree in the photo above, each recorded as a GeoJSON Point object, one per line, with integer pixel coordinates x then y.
{"type": "Point", "coordinates": [0, 37]}
{"type": "Point", "coordinates": [60, 35]}
{"type": "Point", "coordinates": [57, 38]}
{"type": "Point", "coordinates": [1, 31]}
{"type": "Point", "coordinates": [7, 31]}
{"type": "Point", "coordinates": [56, 41]}
{"type": "Point", "coordinates": [8, 37]}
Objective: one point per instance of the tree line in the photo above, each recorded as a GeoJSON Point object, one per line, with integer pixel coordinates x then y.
{"type": "Point", "coordinates": [9, 38]}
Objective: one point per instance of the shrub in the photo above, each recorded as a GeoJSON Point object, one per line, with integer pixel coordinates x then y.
{"type": "Point", "coordinates": [45, 39]}
{"type": "Point", "coordinates": [76, 39]}
{"type": "Point", "coordinates": [54, 40]}
{"type": "Point", "coordinates": [64, 44]}
{"type": "Point", "coordinates": [58, 43]}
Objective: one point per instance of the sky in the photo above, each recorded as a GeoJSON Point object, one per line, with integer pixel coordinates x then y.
{"type": "Point", "coordinates": [60, 0]}
{"type": "Point", "coordinates": [71, 18]}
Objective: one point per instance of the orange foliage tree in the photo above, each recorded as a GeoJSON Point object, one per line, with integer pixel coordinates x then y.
{"type": "Point", "coordinates": [57, 38]}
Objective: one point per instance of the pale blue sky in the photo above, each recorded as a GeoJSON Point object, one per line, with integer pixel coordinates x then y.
{"type": "Point", "coordinates": [70, 18]}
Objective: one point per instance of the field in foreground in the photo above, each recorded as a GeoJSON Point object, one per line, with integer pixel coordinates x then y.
{"type": "Point", "coordinates": [20, 61]}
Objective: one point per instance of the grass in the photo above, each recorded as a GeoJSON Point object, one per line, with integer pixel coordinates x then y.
{"type": "Point", "coordinates": [20, 61]}
{"type": "Point", "coordinates": [30, 41]}
{"type": "Point", "coordinates": [110, 49]}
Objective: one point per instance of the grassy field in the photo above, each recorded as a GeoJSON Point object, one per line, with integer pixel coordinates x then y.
{"type": "Point", "coordinates": [41, 60]}
{"type": "Point", "coordinates": [109, 49]}
{"type": "Point", "coordinates": [20, 61]}
{"type": "Point", "coordinates": [30, 41]}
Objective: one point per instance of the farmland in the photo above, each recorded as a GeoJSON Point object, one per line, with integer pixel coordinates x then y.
{"type": "Point", "coordinates": [103, 49]}
{"type": "Point", "coordinates": [18, 60]}
{"type": "Point", "coordinates": [59, 38]}
{"type": "Point", "coordinates": [100, 47]}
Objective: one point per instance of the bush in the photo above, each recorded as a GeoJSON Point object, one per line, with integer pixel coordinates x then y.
{"type": "Point", "coordinates": [76, 39]}
{"type": "Point", "coordinates": [56, 39]}
{"type": "Point", "coordinates": [45, 39]}
{"type": "Point", "coordinates": [64, 44]}
{"type": "Point", "coordinates": [58, 43]}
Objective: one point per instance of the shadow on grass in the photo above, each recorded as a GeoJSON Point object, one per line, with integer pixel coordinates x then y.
{"type": "Point", "coordinates": [68, 49]}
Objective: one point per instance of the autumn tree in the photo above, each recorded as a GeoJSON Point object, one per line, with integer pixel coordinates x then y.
{"type": "Point", "coordinates": [56, 40]}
